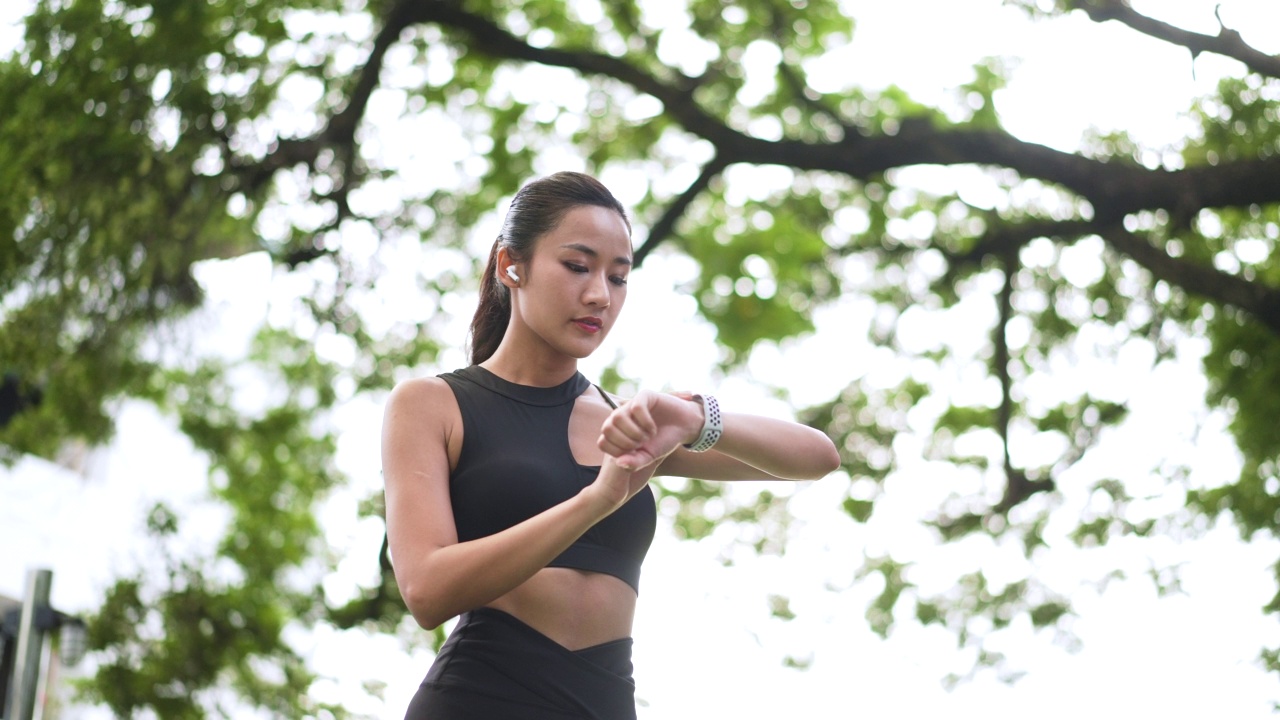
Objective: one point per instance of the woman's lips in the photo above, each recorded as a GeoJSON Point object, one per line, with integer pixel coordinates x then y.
{"type": "Point", "coordinates": [589, 324]}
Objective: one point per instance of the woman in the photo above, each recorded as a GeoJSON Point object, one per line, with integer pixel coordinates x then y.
{"type": "Point", "coordinates": [517, 494]}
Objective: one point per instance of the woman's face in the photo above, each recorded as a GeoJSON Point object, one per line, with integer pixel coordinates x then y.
{"type": "Point", "coordinates": [573, 287]}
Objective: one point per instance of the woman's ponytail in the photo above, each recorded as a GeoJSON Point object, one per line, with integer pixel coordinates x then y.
{"type": "Point", "coordinates": [493, 313]}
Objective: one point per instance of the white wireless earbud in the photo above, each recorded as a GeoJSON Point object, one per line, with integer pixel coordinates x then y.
{"type": "Point", "coordinates": [511, 273]}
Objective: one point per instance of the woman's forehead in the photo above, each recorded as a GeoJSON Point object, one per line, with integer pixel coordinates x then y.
{"type": "Point", "coordinates": [592, 230]}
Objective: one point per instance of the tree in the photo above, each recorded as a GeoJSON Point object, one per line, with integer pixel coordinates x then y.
{"type": "Point", "coordinates": [141, 138]}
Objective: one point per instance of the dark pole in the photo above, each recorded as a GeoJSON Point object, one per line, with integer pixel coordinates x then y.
{"type": "Point", "coordinates": [8, 642]}
{"type": "Point", "coordinates": [26, 675]}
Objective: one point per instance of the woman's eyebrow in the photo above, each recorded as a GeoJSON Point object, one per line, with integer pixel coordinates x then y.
{"type": "Point", "coordinates": [588, 250]}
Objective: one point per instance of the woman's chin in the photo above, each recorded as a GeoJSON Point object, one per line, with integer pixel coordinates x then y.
{"type": "Point", "coordinates": [585, 347]}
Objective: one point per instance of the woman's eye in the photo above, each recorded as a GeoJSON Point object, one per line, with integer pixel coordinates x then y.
{"type": "Point", "coordinates": [574, 267]}
{"type": "Point", "coordinates": [618, 280]}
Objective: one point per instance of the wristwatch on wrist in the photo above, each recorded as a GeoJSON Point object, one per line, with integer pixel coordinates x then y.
{"type": "Point", "coordinates": [712, 424]}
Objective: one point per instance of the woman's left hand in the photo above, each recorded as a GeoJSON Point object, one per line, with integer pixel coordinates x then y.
{"type": "Point", "coordinates": [649, 427]}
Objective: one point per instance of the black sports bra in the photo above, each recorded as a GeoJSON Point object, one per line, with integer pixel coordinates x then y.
{"type": "Point", "coordinates": [516, 462]}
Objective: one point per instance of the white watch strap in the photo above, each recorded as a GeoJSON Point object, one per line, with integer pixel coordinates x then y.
{"type": "Point", "coordinates": [712, 424]}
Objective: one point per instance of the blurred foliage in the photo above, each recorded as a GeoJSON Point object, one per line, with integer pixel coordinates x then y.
{"type": "Point", "coordinates": [142, 140]}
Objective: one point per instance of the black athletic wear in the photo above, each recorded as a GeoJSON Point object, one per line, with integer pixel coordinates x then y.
{"type": "Point", "coordinates": [516, 462]}
{"type": "Point", "coordinates": [495, 667]}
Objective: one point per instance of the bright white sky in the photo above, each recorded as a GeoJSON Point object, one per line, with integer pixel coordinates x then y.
{"type": "Point", "coordinates": [706, 646]}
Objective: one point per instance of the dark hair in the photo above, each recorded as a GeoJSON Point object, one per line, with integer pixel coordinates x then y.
{"type": "Point", "coordinates": [535, 211]}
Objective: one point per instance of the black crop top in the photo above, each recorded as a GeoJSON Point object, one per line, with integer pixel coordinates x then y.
{"type": "Point", "coordinates": [516, 462]}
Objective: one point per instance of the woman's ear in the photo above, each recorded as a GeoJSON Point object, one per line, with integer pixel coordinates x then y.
{"type": "Point", "coordinates": [508, 270]}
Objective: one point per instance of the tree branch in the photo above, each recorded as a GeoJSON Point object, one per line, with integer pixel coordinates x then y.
{"type": "Point", "coordinates": [339, 132]}
{"type": "Point", "coordinates": [488, 37]}
{"type": "Point", "coordinates": [1002, 240]}
{"type": "Point", "coordinates": [1260, 300]}
{"type": "Point", "coordinates": [1000, 358]}
{"type": "Point", "coordinates": [1018, 487]}
{"type": "Point", "coordinates": [342, 126]}
{"type": "Point", "coordinates": [1227, 42]}
{"type": "Point", "coordinates": [806, 96]}
{"type": "Point", "coordinates": [1255, 298]}
{"type": "Point", "coordinates": [1113, 188]}
{"type": "Point", "coordinates": [665, 226]}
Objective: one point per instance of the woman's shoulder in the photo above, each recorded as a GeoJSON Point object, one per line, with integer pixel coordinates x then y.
{"type": "Point", "coordinates": [421, 395]}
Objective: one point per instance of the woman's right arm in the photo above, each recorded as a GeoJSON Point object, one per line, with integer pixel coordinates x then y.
{"type": "Point", "coordinates": [438, 576]}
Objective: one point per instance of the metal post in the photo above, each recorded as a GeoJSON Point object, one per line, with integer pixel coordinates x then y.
{"type": "Point", "coordinates": [26, 674]}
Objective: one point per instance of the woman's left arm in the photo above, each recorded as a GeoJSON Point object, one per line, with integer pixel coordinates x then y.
{"type": "Point", "coordinates": [752, 447]}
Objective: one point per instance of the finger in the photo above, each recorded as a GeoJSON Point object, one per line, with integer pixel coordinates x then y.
{"type": "Point", "coordinates": [641, 413]}
{"type": "Point", "coordinates": [626, 423]}
{"type": "Point", "coordinates": [609, 447]}
{"type": "Point", "coordinates": [620, 439]}
{"type": "Point", "coordinates": [634, 460]}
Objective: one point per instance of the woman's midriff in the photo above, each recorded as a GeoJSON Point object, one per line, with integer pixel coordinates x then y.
{"type": "Point", "coordinates": [575, 608]}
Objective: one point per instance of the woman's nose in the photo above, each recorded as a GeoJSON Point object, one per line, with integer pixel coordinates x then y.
{"type": "Point", "coordinates": [597, 292]}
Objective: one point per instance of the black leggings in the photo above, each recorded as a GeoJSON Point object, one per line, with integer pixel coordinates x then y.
{"type": "Point", "coordinates": [495, 667]}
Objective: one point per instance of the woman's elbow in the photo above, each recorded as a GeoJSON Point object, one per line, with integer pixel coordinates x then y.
{"type": "Point", "coordinates": [826, 457]}
{"type": "Point", "coordinates": [812, 461]}
{"type": "Point", "coordinates": [423, 606]}
{"type": "Point", "coordinates": [428, 621]}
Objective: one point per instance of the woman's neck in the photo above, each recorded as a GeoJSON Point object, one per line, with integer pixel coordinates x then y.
{"type": "Point", "coordinates": [532, 369]}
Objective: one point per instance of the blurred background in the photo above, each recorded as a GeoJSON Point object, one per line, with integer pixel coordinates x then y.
{"type": "Point", "coordinates": [1018, 259]}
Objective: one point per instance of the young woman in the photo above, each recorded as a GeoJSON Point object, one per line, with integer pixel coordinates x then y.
{"type": "Point", "coordinates": [517, 493]}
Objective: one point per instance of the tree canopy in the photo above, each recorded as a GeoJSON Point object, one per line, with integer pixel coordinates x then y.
{"type": "Point", "coordinates": [139, 139]}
